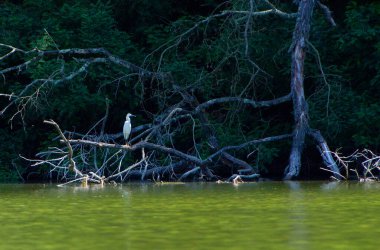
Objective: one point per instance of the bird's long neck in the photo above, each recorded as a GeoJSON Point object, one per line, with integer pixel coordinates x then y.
{"type": "Point", "coordinates": [128, 119]}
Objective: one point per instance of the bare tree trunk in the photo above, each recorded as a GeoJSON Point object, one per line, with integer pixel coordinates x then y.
{"type": "Point", "coordinates": [298, 50]}
{"type": "Point", "coordinates": [300, 109]}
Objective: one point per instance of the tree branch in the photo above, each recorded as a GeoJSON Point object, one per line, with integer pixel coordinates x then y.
{"type": "Point", "coordinates": [249, 143]}
{"type": "Point", "coordinates": [175, 152]}
{"type": "Point", "coordinates": [101, 56]}
{"type": "Point", "coordinates": [72, 165]}
{"type": "Point", "coordinates": [262, 13]}
{"type": "Point", "coordinates": [254, 104]}
{"type": "Point", "coordinates": [140, 145]}
{"type": "Point", "coordinates": [327, 12]}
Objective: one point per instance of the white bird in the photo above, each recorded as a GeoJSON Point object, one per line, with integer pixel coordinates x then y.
{"type": "Point", "coordinates": [127, 126]}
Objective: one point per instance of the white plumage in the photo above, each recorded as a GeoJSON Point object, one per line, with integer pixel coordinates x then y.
{"type": "Point", "coordinates": [127, 126]}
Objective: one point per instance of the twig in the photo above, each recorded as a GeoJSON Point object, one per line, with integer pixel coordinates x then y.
{"type": "Point", "coordinates": [336, 173]}
{"type": "Point", "coordinates": [125, 170]}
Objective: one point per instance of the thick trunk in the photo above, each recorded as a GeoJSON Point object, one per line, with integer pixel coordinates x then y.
{"type": "Point", "coordinates": [298, 51]}
{"type": "Point", "coordinates": [300, 109]}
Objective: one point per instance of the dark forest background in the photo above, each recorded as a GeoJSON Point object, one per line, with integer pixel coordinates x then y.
{"type": "Point", "coordinates": [344, 104]}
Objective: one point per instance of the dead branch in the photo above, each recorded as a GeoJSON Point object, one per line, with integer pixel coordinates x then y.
{"type": "Point", "coordinates": [176, 41]}
{"type": "Point", "coordinates": [165, 122]}
{"type": "Point", "coordinates": [140, 145]}
{"type": "Point", "coordinates": [327, 12]}
{"type": "Point", "coordinates": [72, 165]}
{"type": "Point", "coordinates": [249, 143]}
{"type": "Point", "coordinates": [251, 177]}
{"type": "Point", "coordinates": [190, 173]}
{"type": "Point", "coordinates": [325, 152]}
{"type": "Point", "coordinates": [254, 104]}
{"type": "Point", "coordinates": [272, 11]}
{"type": "Point", "coordinates": [262, 13]}
{"type": "Point", "coordinates": [200, 107]}
{"type": "Point", "coordinates": [209, 132]}
{"type": "Point", "coordinates": [125, 170]}
{"type": "Point", "coordinates": [175, 152]}
{"type": "Point", "coordinates": [85, 57]}
{"type": "Point", "coordinates": [368, 160]}
{"type": "Point", "coordinates": [157, 173]}
{"type": "Point", "coordinates": [101, 56]}
{"type": "Point", "coordinates": [11, 52]}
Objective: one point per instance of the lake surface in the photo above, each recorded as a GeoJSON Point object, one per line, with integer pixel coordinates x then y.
{"type": "Point", "coordinates": [268, 215]}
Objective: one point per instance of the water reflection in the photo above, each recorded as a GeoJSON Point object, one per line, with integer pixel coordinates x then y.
{"type": "Point", "coordinates": [275, 215]}
{"type": "Point", "coordinates": [299, 232]}
{"type": "Point", "coordinates": [330, 185]}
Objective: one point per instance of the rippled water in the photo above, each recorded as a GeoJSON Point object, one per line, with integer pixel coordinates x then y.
{"type": "Point", "coordinates": [270, 215]}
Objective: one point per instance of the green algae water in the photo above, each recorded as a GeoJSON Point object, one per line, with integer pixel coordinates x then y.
{"type": "Point", "coordinates": [268, 215]}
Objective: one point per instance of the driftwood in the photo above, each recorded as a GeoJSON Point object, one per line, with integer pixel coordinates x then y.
{"type": "Point", "coordinates": [247, 178]}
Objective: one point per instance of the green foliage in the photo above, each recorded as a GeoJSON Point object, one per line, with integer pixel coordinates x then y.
{"type": "Point", "coordinates": [367, 119]}
{"type": "Point", "coordinates": [361, 42]}
{"type": "Point", "coordinates": [350, 56]}
{"type": "Point", "coordinates": [51, 25]}
{"type": "Point", "coordinates": [11, 145]}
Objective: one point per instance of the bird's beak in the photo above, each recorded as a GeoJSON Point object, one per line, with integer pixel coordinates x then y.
{"type": "Point", "coordinates": [132, 115]}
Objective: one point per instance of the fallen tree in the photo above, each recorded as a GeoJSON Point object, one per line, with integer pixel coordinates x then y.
{"type": "Point", "coordinates": [155, 141]}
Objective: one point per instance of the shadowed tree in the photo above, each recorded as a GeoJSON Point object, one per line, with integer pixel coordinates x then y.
{"type": "Point", "coordinates": [179, 84]}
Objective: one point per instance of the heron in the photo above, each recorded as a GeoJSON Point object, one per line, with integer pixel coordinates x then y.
{"type": "Point", "coordinates": [127, 126]}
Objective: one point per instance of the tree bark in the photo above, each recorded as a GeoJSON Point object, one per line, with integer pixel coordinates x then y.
{"type": "Point", "coordinates": [300, 108]}
{"type": "Point", "coordinates": [298, 52]}
{"type": "Point", "coordinates": [324, 149]}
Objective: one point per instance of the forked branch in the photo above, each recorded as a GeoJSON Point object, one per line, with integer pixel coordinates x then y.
{"type": "Point", "coordinates": [72, 164]}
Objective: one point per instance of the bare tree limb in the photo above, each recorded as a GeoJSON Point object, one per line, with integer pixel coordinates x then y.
{"type": "Point", "coordinates": [140, 145]}
{"type": "Point", "coordinates": [190, 173]}
{"type": "Point", "coordinates": [327, 12]}
{"type": "Point", "coordinates": [85, 56]}
{"type": "Point", "coordinates": [249, 143]}
{"type": "Point", "coordinates": [13, 50]}
{"type": "Point", "coordinates": [262, 13]}
{"type": "Point", "coordinates": [325, 152]}
{"type": "Point", "coordinates": [172, 151]}
{"type": "Point", "coordinates": [251, 177]}
{"type": "Point", "coordinates": [254, 104]}
{"type": "Point", "coordinates": [101, 56]}
{"type": "Point", "coordinates": [72, 165]}
{"type": "Point", "coordinates": [125, 170]}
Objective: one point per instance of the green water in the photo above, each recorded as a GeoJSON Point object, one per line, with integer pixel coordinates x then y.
{"type": "Point", "coordinates": [294, 215]}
